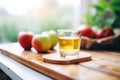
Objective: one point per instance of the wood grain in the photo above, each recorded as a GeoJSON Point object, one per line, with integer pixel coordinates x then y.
{"type": "Point", "coordinates": [105, 61]}
{"type": "Point", "coordinates": [104, 66]}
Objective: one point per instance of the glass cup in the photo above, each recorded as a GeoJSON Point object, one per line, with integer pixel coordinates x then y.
{"type": "Point", "coordinates": [69, 43]}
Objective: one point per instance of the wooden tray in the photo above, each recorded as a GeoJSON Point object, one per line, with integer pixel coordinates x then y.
{"type": "Point", "coordinates": [81, 71]}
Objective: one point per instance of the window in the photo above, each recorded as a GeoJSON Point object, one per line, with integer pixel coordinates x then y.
{"type": "Point", "coordinates": [38, 16]}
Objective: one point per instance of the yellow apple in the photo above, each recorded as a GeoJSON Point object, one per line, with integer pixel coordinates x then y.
{"type": "Point", "coordinates": [41, 43]}
{"type": "Point", "coordinates": [54, 38]}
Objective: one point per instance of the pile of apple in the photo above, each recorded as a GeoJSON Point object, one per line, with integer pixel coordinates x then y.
{"type": "Point", "coordinates": [102, 33]}
{"type": "Point", "coordinates": [40, 42]}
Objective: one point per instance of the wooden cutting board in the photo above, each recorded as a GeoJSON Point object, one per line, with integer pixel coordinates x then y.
{"type": "Point", "coordinates": [103, 66]}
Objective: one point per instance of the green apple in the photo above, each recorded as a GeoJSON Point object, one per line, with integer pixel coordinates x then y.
{"type": "Point", "coordinates": [41, 43]}
{"type": "Point", "coordinates": [54, 38]}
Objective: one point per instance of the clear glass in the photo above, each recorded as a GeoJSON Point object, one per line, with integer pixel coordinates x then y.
{"type": "Point", "coordinates": [69, 43]}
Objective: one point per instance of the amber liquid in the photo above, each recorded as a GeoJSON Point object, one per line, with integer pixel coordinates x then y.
{"type": "Point", "coordinates": [69, 45]}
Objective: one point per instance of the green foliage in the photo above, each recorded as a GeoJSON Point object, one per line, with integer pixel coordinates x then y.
{"type": "Point", "coordinates": [107, 14]}
{"type": "Point", "coordinates": [10, 26]}
{"type": "Point", "coordinates": [10, 32]}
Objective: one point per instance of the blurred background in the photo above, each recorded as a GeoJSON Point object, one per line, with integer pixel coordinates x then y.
{"type": "Point", "coordinates": [43, 15]}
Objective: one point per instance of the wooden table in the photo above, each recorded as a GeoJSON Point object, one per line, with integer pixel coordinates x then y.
{"type": "Point", "coordinates": [105, 65]}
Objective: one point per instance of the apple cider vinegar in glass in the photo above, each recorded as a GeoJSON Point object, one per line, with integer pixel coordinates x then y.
{"type": "Point", "coordinates": [69, 44]}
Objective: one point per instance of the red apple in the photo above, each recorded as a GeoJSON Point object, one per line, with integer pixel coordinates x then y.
{"type": "Point", "coordinates": [41, 42]}
{"type": "Point", "coordinates": [88, 32]}
{"type": "Point", "coordinates": [105, 32]}
{"type": "Point", "coordinates": [24, 39]}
